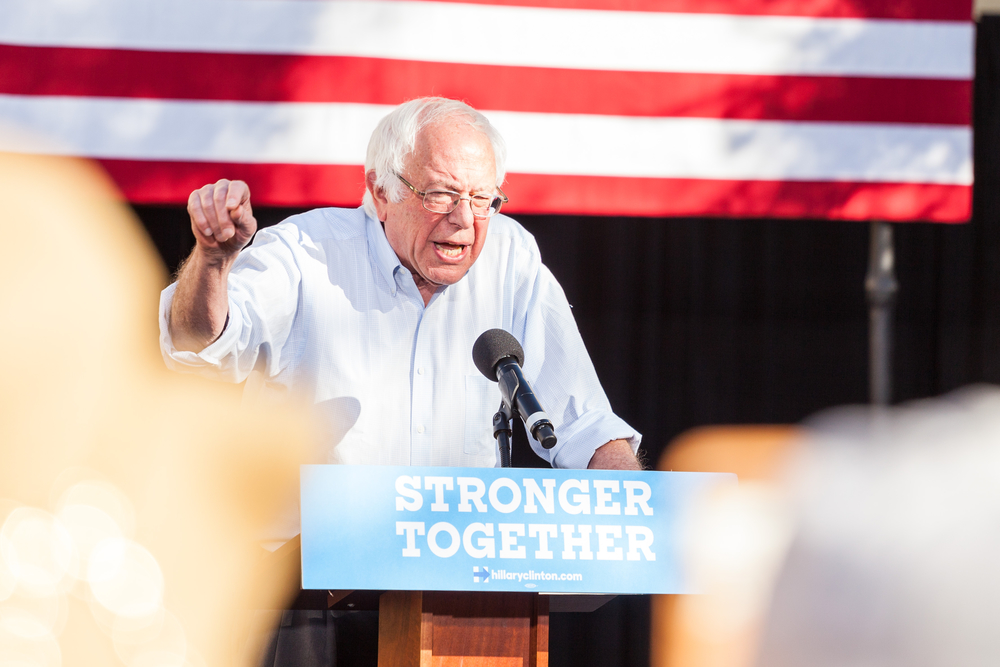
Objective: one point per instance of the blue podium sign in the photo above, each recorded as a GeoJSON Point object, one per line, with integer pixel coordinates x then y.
{"type": "Point", "coordinates": [495, 529]}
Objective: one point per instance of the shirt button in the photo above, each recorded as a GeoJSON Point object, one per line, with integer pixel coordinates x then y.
{"type": "Point", "coordinates": [420, 371]}
{"type": "Point", "coordinates": [420, 429]}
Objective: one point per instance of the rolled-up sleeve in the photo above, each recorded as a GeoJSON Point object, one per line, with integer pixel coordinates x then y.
{"type": "Point", "coordinates": [565, 380]}
{"type": "Point", "coordinates": [263, 299]}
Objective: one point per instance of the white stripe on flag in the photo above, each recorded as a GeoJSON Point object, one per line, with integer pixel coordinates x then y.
{"type": "Point", "coordinates": [735, 149]}
{"type": "Point", "coordinates": [254, 132]}
{"type": "Point", "coordinates": [504, 35]}
{"type": "Point", "coordinates": [538, 143]}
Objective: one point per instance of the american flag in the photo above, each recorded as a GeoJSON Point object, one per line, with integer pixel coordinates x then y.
{"type": "Point", "coordinates": [852, 109]}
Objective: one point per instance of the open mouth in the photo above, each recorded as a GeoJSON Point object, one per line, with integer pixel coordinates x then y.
{"type": "Point", "coordinates": [450, 250]}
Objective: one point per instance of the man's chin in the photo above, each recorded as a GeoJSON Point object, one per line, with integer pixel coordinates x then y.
{"type": "Point", "coordinates": [446, 275]}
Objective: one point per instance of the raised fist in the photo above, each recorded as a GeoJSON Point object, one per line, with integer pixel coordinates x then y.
{"type": "Point", "coordinates": [221, 217]}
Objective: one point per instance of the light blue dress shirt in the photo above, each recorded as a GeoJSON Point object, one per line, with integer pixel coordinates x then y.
{"type": "Point", "coordinates": [321, 306]}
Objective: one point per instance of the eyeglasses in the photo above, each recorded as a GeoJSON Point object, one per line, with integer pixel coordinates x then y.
{"type": "Point", "coordinates": [445, 201]}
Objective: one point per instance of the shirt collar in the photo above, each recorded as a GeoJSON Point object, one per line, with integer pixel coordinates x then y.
{"type": "Point", "coordinates": [381, 252]}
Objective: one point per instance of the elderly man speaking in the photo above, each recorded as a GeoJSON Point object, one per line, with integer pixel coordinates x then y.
{"type": "Point", "coordinates": [372, 313]}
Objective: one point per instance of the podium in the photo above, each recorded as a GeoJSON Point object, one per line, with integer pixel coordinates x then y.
{"type": "Point", "coordinates": [465, 565]}
{"type": "Point", "coordinates": [440, 628]}
{"type": "Point", "coordinates": [463, 629]}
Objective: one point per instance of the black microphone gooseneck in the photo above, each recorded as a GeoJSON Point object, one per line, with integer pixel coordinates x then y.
{"type": "Point", "coordinates": [499, 356]}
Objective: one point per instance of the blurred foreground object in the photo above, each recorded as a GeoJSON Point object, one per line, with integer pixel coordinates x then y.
{"type": "Point", "coordinates": [897, 539]}
{"type": "Point", "coordinates": [130, 498]}
{"type": "Point", "coordinates": [734, 544]}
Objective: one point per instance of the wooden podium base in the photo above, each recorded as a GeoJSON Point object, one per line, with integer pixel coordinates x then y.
{"type": "Point", "coordinates": [463, 629]}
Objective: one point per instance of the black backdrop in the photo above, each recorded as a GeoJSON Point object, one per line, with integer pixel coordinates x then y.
{"type": "Point", "coordinates": [709, 321]}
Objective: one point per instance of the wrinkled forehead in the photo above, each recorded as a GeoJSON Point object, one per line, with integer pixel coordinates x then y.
{"type": "Point", "coordinates": [454, 137]}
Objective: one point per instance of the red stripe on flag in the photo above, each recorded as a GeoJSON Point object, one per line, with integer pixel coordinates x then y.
{"type": "Point", "coordinates": [343, 185]}
{"type": "Point", "coordinates": [930, 10]}
{"type": "Point", "coordinates": [273, 78]}
{"type": "Point", "coordinates": [597, 195]}
{"type": "Point", "coordinates": [297, 185]}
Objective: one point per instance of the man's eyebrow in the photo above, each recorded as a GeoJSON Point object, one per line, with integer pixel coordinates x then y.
{"type": "Point", "coordinates": [441, 185]}
{"type": "Point", "coordinates": [451, 187]}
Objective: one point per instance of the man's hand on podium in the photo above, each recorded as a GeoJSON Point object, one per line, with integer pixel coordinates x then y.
{"type": "Point", "coordinates": [615, 455]}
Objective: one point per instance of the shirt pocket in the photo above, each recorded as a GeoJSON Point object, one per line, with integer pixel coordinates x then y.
{"type": "Point", "coordinates": [482, 399]}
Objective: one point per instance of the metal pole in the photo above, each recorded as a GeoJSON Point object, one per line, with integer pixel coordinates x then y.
{"type": "Point", "coordinates": [503, 433]}
{"type": "Point", "coordinates": [880, 288]}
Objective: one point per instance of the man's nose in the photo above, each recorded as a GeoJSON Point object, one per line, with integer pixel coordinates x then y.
{"type": "Point", "coordinates": [462, 215]}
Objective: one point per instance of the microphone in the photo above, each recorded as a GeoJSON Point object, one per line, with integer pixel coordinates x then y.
{"type": "Point", "coordinates": [499, 356]}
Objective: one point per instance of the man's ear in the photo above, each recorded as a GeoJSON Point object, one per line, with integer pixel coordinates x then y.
{"type": "Point", "coordinates": [378, 195]}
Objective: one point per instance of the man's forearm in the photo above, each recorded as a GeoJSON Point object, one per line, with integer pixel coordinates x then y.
{"type": "Point", "coordinates": [615, 455]}
{"type": "Point", "coordinates": [201, 302]}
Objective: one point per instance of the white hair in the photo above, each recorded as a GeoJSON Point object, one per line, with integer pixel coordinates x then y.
{"type": "Point", "coordinates": [396, 135]}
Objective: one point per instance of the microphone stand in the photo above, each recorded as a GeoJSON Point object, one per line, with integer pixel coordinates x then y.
{"type": "Point", "coordinates": [502, 432]}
